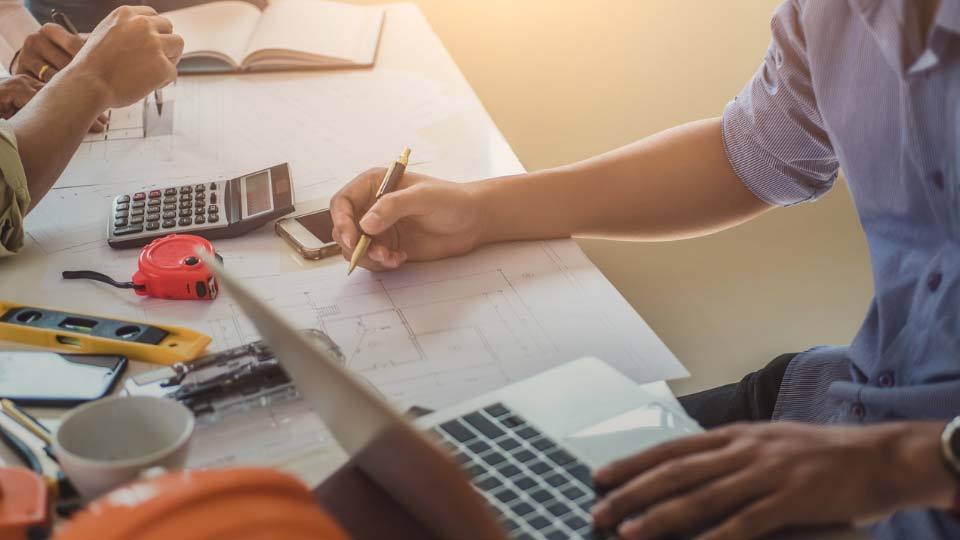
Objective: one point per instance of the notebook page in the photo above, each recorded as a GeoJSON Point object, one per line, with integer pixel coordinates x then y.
{"type": "Point", "coordinates": [219, 28]}
{"type": "Point", "coordinates": [319, 28]}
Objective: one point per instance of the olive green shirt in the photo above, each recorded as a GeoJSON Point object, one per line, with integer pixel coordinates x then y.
{"type": "Point", "coordinates": [14, 197]}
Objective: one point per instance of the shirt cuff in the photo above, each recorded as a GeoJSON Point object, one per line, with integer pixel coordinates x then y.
{"type": "Point", "coordinates": [14, 196]}
{"type": "Point", "coordinates": [771, 180]}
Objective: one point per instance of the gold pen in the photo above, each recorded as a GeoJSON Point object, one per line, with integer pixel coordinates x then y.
{"type": "Point", "coordinates": [390, 181]}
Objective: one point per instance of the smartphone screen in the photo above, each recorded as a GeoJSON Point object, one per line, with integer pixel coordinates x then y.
{"type": "Point", "coordinates": [320, 224]}
{"type": "Point", "coordinates": [44, 378]}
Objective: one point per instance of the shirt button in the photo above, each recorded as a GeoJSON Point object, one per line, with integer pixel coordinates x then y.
{"type": "Point", "coordinates": [886, 379]}
{"type": "Point", "coordinates": [934, 280]}
{"type": "Point", "coordinates": [858, 410]}
{"type": "Point", "coordinates": [937, 179]}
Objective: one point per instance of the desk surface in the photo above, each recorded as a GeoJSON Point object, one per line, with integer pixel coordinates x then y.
{"type": "Point", "coordinates": [467, 146]}
{"type": "Point", "coordinates": [321, 124]}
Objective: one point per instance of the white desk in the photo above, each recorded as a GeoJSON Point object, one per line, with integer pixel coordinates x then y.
{"type": "Point", "coordinates": [327, 140]}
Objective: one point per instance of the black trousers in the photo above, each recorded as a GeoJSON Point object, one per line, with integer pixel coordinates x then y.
{"type": "Point", "coordinates": [750, 400]}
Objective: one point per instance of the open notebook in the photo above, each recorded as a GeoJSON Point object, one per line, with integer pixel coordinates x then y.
{"type": "Point", "coordinates": [288, 34]}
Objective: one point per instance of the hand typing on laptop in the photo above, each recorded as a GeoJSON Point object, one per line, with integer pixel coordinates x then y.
{"type": "Point", "coordinates": [744, 481]}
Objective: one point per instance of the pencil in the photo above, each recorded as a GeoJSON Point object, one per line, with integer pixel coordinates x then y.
{"type": "Point", "coordinates": [390, 181]}
{"type": "Point", "coordinates": [26, 421]}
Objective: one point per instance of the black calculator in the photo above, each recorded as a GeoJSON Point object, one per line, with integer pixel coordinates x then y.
{"type": "Point", "coordinates": [221, 209]}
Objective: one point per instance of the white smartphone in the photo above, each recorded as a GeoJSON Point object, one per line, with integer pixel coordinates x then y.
{"type": "Point", "coordinates": [310, 234]}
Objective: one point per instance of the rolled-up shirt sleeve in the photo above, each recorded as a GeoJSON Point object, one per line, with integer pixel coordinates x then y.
{"type": "Point", "coordinates": [14, 197]}
{"type": "Point", "coordinates": [773, 133]}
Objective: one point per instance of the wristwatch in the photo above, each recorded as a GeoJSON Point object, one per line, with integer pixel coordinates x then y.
{"type": "Point", "coordinates": [950, 448]}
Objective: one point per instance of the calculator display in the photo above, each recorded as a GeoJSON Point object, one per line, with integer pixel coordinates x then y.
{"type": "Point", "coordinates": [258, 196]}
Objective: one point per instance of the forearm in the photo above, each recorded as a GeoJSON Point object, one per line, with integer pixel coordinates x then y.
{"type": "Point", "coordinates": [922, 473]}
{"type": "Point", "coordinates": [51, 127]}
{"type": "Point", "coordinates": [675, 184]}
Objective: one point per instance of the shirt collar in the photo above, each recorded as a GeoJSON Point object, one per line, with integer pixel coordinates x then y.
{"type": "Point", "coordinates": [904, 50]}
{"type": "Point", "coordinates": [948, 16]}
{"type": "Point", "coordinates": [884, 22]}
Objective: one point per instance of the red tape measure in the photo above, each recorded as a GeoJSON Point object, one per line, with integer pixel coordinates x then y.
{"type": "Point", "coordinates": [168, 268]}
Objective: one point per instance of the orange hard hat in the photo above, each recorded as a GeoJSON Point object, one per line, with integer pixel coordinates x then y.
{"type": "Point", "coordinates": [23, 503]}
{"type": "Point", "coordinates": [214, 504]}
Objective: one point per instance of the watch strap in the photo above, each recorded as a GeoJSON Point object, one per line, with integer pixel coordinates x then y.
{"type": "Point", "coordinates": [950, 449]}
{"type": "Point", "coordinates": [14, 61]}
{"type": "Point", "coordinates": [950, 446]}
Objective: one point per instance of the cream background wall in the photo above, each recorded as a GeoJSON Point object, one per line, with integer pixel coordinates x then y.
{"type": "Point", "coordinates": [566, 79]}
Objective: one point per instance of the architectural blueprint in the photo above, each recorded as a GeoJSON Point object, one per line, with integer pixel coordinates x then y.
{"type": "Point", "coordinates": [426, 334]}
{"type": "Point", "coordinates": [437, 333]}
{"type": "Point", "coordinates": [122, 124]}
{"type": "Point", "coordinates": [220, 129]}
{"type": "Point", "coordinates": [137, 121]}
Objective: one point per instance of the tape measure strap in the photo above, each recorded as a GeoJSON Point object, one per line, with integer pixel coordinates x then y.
{"type": "Point", "coordinates": [84, 324]}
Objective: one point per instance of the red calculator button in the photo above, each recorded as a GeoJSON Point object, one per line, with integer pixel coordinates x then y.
{"type": "Point", "coordinates": [155, 194]}
{"type": "Point", "coordinates": [139, 196]}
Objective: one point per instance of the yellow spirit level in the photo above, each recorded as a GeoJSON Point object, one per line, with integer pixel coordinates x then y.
{"type": "Point", "coordinates": [79, 333]}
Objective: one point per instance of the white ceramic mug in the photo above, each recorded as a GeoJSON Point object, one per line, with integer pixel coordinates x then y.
{"type": "Point", "coordinates": [107, 443]}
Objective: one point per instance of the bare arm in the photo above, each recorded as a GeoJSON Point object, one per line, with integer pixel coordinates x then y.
{"type": "Point", "coordinates": [675, 184]}
{"type": "Point", "coordinates": [130, 53]}
{"type": "Point", "coordinates": [53, 124]}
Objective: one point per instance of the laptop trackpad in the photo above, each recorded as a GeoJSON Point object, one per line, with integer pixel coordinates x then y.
{"type": "Point", "coordinates": [629, 433]}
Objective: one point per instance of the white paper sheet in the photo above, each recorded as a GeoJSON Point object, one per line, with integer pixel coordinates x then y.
{"type": "Point", "coordinates": [427, 334]}
{"type": "Point", "coordinates": [329, 128]}
{"type": "Point", "coordinates": [72, 219]}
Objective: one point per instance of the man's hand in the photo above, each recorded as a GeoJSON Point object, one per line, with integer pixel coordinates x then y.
{"type": "Point", "coordinates": [424, 219]}
{"type": "Point", "coordinates": [52, 46]}
{"type": "Point", "coordinates": [130, 53]}
{"type": "Point", "coordinates": [744, 481]}
{"type": "Point", "coordinates": [16, 92]}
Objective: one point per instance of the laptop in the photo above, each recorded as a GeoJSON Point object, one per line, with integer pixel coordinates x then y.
{"type": "Point", "coordinates": [514, 463]}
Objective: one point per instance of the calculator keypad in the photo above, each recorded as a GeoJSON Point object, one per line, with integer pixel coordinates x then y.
{"type": "Point", "coordinates": [171, 208]}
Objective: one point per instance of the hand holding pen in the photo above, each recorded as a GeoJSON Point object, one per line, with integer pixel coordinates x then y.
{"type": "Point", "coordinates": [390, 181]}
{"type": "Point", "coordinates": [46, 51]}
{"type": "Point", "coordinates": [417, 219]}
{"type": "Point", "coordinates": [172, 50]}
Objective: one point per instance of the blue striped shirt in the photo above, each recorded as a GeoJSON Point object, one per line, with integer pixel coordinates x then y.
{"type": "Point", "coordinates": [867, 86]}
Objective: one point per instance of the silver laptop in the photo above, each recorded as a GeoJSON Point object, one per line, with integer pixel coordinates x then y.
{"type": "Point", "coordinates": [514, 463]}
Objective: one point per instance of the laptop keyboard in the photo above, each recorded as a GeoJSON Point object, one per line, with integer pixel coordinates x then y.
{"type": "Point", "coordinates": [539, 490]}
